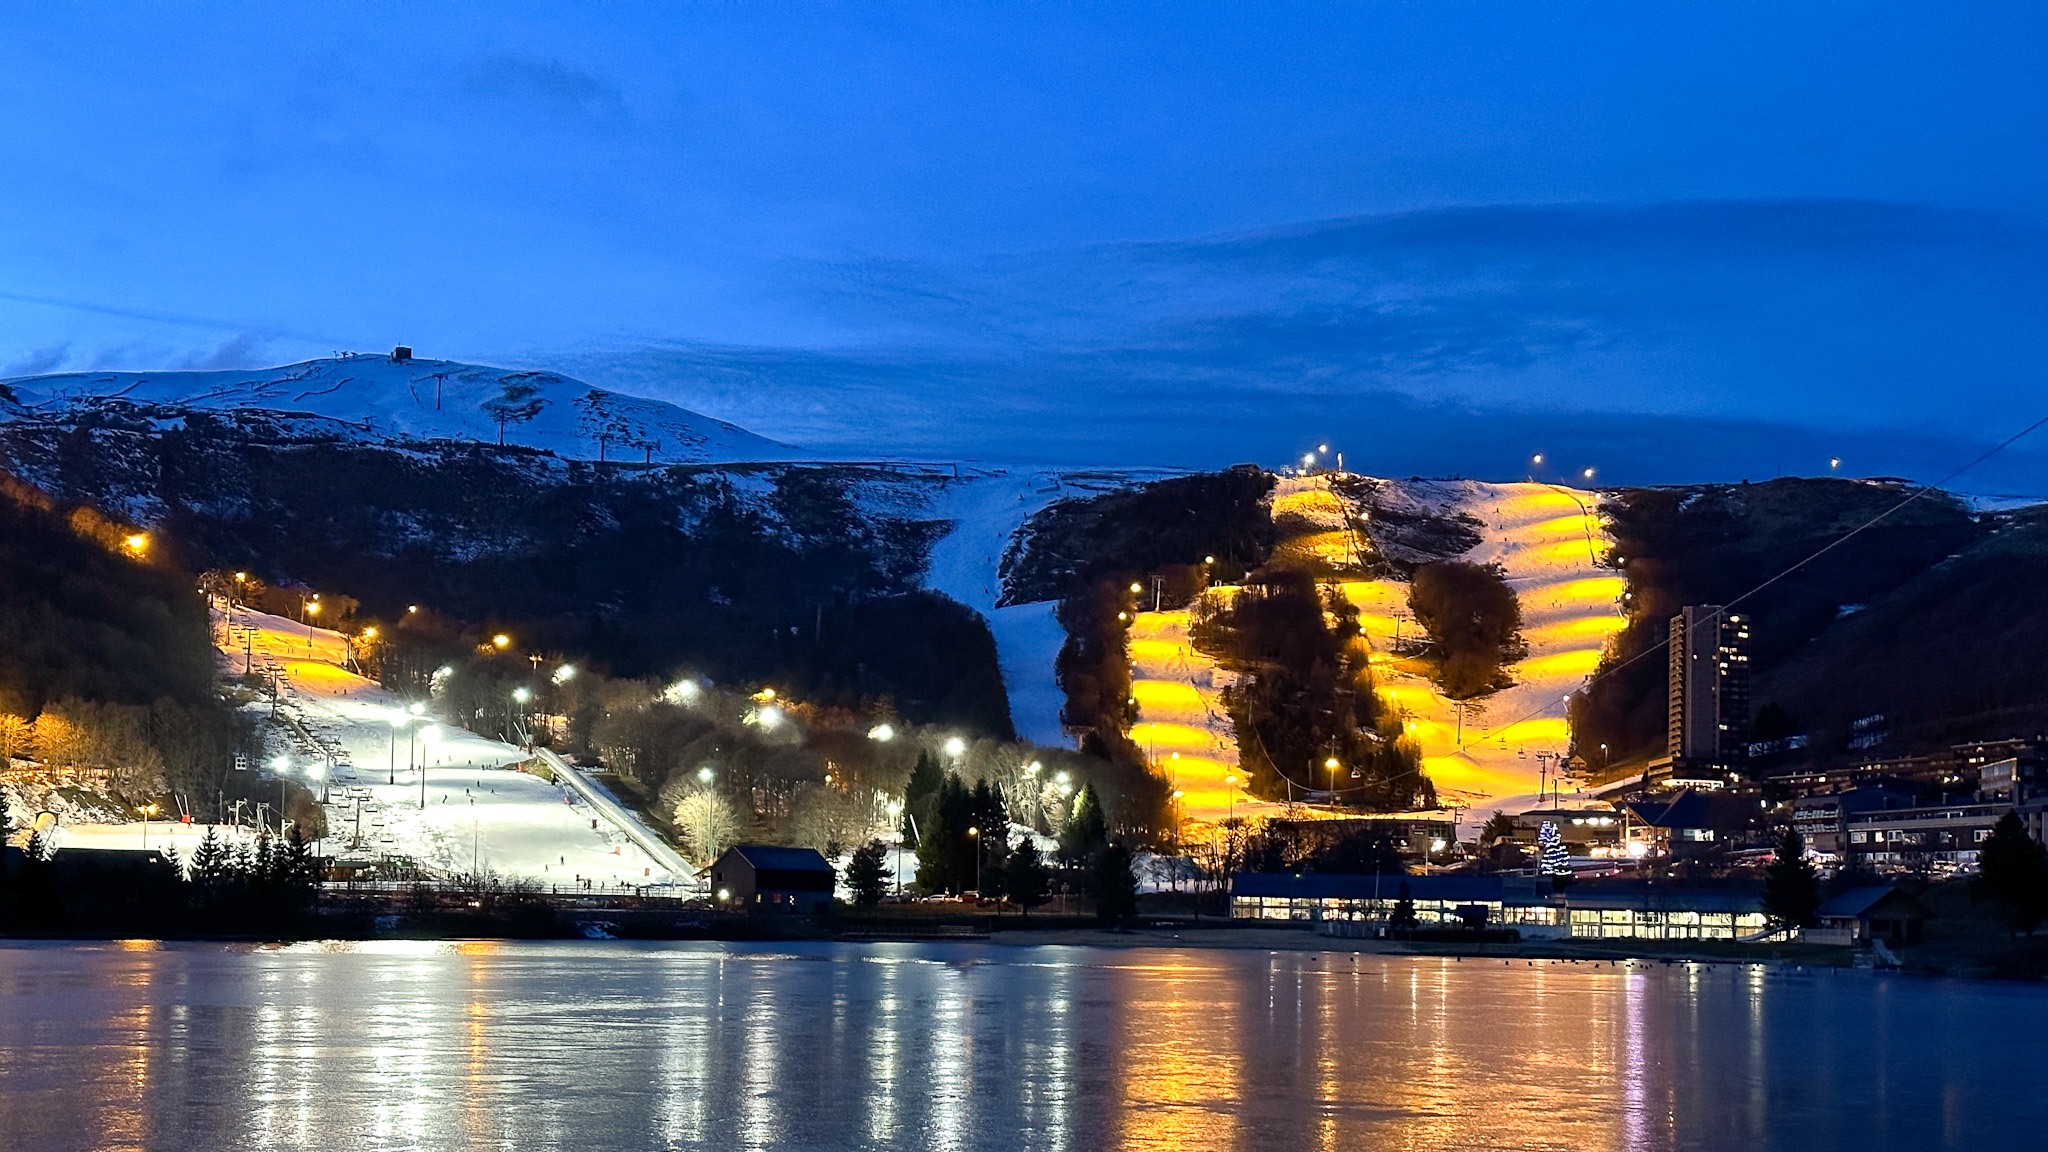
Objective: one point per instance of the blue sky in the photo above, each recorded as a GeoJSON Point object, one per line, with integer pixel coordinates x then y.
{"type": "Point", "coordinates": [1672, 242]}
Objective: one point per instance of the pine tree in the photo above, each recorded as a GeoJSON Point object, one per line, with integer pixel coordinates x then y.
{"type": "Point", "coordinates": [920, 796]}
{"type": "Point", "coordinates": [1555, 860]}
{"type": "Point", "coordinates": [209, 861]}
{"type": "Point", "coordinates": [945, 852]}
{"type": "Point", "coordinates": [1791, 886]}
{"type": "Point", "coordinates": [1114, 885]}
{"type": "Point", "coordinates": [298, 871]}
{"type": "Point", "coordinates": [868, 874]}
{"type": "Point", "coordinates": [1026, 881]}
{"type": "Point", "coordinates": [2013, 871]}
{"type": "Point", "coordinates": [1085, 833]}
{"type": "Point", "coordinates": [1403, 919]}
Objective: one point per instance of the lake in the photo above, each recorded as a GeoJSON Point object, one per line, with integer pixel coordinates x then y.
{"type": "Point", "coordinates": [612, 1045]}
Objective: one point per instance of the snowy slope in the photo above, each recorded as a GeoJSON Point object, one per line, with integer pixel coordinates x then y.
{"type": "Point", "coordinates": [1551, 543]}
{"type": "Point", "coordinates": [372, 398]}
{"type": "Point", "coordinates": [986, 508]}
{"type": "Point", "coordinates": [468, 811]}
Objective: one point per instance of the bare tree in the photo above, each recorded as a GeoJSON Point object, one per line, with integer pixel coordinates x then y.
{"type": "Point", "coordinates": [709, 821]}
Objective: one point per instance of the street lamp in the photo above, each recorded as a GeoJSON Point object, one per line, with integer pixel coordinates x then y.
{"type": "Point", "coordinates": [974, 834]}
{"type": "Point", "coordinates": [501, 641]}
{"type": "Point", "coordinates": [147, 811]}
{"type": "Point", "coordinates": [429, 735]}
{"type": "Point", "coordinates": [882, 732]}
{"type": "Point", "coordinates": [705, 774]}
{"type": "Point", "coordinates": [955, 747]}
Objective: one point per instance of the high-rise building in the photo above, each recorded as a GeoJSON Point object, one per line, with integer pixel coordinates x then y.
{"type": "Point", "coordinates": [1708, 711]}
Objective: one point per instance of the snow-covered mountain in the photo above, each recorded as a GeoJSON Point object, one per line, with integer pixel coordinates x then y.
{"type": "Point", "coordinates": [374, 397]}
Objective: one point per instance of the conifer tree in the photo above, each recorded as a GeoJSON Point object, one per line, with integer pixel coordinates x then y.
{"type": "Point", "coordinates": [1085, 832]}
{"type": "Point", "coordinates": [1555, 860]}
{"type": "Point", "coordinates": [867, 874]}
{"type": "Point", "coordinates": [1791, 886]}
{"type": "Point", "coordinates": [1114, 885]}
{"type": "Point", "coordinates": [1403, 919]}
{"type": "Point", "coordinates": [919, 796]}
{"type": "Point", "coordinates": [2013, 871]}
{"type": "Point", "coordinates": [1026, 881]}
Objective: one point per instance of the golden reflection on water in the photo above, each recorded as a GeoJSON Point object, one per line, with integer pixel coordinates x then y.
{"type": "Point", "coordinates": [901, 1046]}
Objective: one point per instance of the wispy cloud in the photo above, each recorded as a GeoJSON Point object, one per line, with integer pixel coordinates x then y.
{"type": "Point", "coordinates": [246, 350]}
{"type": "Point", "coordinates": [38, 360]}
{"type": "Point", "coordinates": [551, 87]}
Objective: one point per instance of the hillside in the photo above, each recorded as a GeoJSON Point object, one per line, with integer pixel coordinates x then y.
{"type": "Point", "coordinates": [1708, 544]}
{"type": "Point", "coordinates": [376, 399]}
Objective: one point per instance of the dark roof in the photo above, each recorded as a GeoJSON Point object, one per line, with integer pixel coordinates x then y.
{"type": "Point", "coordinates": [1688, 809]}
{"type": "Point", "coordinates": [768, 858]}
{"type": "Point", "coordinates": [1353, 886]}
{"type": "Point", "coordinates": [1856, 903]}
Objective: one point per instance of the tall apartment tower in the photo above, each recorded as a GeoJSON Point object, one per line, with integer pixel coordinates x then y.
{"type": "Point", "coordinates": [1708, 712]}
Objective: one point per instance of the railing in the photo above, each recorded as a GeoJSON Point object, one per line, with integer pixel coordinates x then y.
{"type": "Point", "coordinates": [640, 834]}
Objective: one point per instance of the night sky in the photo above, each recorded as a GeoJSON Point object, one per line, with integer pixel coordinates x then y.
{"type": "Point", "coordinates": [1669, 242]}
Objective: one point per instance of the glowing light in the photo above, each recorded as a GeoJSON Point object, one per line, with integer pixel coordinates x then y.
{"type": "Point", "coordinates": [431, 734]}
{"type": "Point", "coordinates": [416, 708]}
{"type": "Point", "coordinates": [768, 716]}
{"type": "Point", "coordinates": [1137, 587]}
{"type": "Point", "coordinates": [1588, 473]}
{"type": "Point", "coordinates": [369, 633]}
{"type": "Point", "coordinates": [882, 732]}
{"type": "Point", "coordinates": [955, 746]}
{"type": "Point", "coordinates": [501, 641]}
{"type": "Point", "coordinates": [522, 695]}
{"type": "Point", "coordinates": [1536, 459]}
{"type": "Point", "coordinates": [724, 894]}
{"type": "Point", "coordinates": [1062, 778]}
{"type": "Point", "coordinates": [565, 673]}
{"type": "Point", "coordinates": [1208, 559]}
{"type": "Point", "coordinates": [280, 763]}
{"type": "Point", "coordinates": [705, 774]}
{"type": "Point", "coordinates": [137, 543]}
{"type": "Point", "coordinates": [1322, 447]}
{"type": "Point", "coordinates": [1033, 768]}
{"type": "Point", "coordinates": [241, 577]}
{"type": "Point", "coordinates": [680, 692]}
{"type": "Point", "coordinates": [1436, 844]}
{"type": "Point", "coordinates": [411, 608]}
{"type": "Point", "coordinates": [765, 694]}
{"type": "Point", "coordinates": [312, 608]}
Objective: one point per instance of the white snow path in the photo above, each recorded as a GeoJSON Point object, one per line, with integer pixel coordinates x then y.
{"type": "Point", "coordinates": [986, 508]}
{"type": "Point", "coordinates": [447, 800]}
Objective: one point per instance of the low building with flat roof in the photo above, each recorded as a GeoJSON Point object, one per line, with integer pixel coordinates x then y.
{"type": "Point", "coordinates": [1525, 903]}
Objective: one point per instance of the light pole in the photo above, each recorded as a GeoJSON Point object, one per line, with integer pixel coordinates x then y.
{"type": "Point", "coordinates": [429, 736]}
{"type": "Point", "coordinates": [147, 811]}
{"type": "Point", "coordinates": [974, 834]}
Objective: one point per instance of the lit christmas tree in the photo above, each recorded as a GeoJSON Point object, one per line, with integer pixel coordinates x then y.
{"type": "Point", "coordinates": [1555, 860]}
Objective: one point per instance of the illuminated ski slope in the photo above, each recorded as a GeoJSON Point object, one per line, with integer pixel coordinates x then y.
{"type": "Point", "coordinates": [1182, 727]}
{"type": "Point", "coordinates": [1550, 542]}
{"type": "Point", "coordinates": [470, 813]}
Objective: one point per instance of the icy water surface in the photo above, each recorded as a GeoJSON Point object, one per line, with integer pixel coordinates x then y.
{"type": "Point", "coordinates": [617, 1046]}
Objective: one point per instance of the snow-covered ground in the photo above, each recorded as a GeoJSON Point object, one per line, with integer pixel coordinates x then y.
{"type": "Point", "coordinates": [1551, 543]}
{"type": "Point", "coordinates": [372, 397]}
{"type": "Point", "coordinates": [401, 785]}
{"type": "Point", "coordinates": [986, 508]}
{"type": "Point", "coordinates": [1182, 726]}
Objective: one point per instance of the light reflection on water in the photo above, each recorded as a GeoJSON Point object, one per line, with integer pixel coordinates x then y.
{"type": "Point", "coordinates": [547, 1046]}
